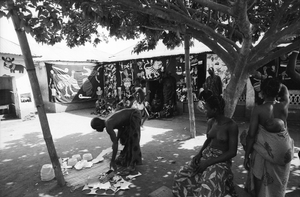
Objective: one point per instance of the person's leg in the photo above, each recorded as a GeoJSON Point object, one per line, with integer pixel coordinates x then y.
{"type": "Point", "coordinates": [185, 184]}
{"type": "Point", "coordinates": [145, 116]}
{"type": "Point", "coordinates": [257, 185]}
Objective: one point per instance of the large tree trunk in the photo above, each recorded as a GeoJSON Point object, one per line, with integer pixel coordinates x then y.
{"type": "Point", "coordinates": [235, 88]}
{"type": "Point", "coordinates": [189, 87]}
{"type": "Point", "coordinates": [37, 95]}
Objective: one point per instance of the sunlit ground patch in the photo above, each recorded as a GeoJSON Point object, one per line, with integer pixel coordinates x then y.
{"type": "Point", "coordinates": [148, 134]}
{"type": "Point", "coordinates": [192, 143]}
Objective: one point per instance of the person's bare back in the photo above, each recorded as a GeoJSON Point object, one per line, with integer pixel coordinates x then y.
{"type": "Point", "coordinates": [270, 119]}
{"type": "Point", "coordinates": [272, 114]}
{"type": "Point", "coordinates": [119, 119]}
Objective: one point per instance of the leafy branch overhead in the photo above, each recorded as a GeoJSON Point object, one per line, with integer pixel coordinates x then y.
{"type": "Point", "coordinates": [245, 34]}
{"type": "Point", "coordinates": [219, 20]}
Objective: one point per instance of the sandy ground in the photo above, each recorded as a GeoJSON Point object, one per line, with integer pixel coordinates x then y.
{"type": "Point", "coordinates": [23, 153]}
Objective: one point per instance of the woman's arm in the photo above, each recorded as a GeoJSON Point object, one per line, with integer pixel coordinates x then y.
{"type": "Point", "coordinates": [252, 132]}
{"type": "Point", "coordinates": [230, 153]}
{"type": "Point", "coordinates": [233, 133]}
{"type": "Point", "coordinates": [197, 158]}
{"type": "Point", "coordinates": [114, 139]}
{"type": "Point", "coordinates": [291, 67]}
{"type": "Point", "coordinates": [208, 140]}
{"type": "Point", "coordinates": [284, 95]}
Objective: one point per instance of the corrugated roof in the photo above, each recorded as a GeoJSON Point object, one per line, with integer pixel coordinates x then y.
{"type": "Point", "coordinates": [76, 54]}
{"type": "Point", "coordinates": [60, 52]}
{"type": "Point", "coordinates": [57, 52]}
{"type": "Point", "coordinates": [11, 48]}
{"type": "Point", "coordinates": [159, 51]}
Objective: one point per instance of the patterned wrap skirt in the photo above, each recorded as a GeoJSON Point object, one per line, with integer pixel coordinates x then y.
{"type": "Point", "coordinates": [270, 162]}
{"type": "Point", "coordinates": [131, 154]}
{"type": "Point", "coordinates": [215, 181]}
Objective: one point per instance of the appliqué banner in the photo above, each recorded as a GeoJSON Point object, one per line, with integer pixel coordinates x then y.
{"type": "Point", "coordinates": [73, 83]}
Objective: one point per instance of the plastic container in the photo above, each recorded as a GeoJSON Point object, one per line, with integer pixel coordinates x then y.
{"type": "Point", "coordinates": [77, 156]}
{"type": "Point", "coordinates": [47, 172]}
{"type": "Point", "coordinates": [72, 161]}
{"type": "Point", "coordinates": [87, 156]}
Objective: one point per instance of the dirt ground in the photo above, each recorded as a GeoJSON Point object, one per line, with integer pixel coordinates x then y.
{"type": "Point", "coordinates": [23, 153]}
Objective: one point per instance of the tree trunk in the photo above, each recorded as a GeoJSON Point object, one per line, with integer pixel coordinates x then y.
{"type": "Point", "coordinates": [235, 89]}
{"type": "Point", "coordinates": [189, 87]}
{"type": "Point", "coordinates": [37, 96]}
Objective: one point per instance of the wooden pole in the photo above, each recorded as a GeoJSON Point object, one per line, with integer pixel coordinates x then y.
{"type": "Point", "coordinates": [189, 86]}
{"type": "Point", "coordinates": [37, 94]}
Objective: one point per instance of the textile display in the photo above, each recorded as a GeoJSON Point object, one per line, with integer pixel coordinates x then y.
{"type": "Point", "coordinates": [73, 83]}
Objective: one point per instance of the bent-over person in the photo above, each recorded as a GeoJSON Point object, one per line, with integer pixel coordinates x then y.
{"type": "Point", "coordinates": [128, 123]}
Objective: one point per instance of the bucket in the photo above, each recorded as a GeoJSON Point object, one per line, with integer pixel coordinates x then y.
{"type": "Point", "coordinates": [72, 161]}
{"type": "Point", "coordinates": [77, 156]}
{"type": "Point", "coordinates": [47, 172]}
{"type": "Point", "coordinates": [87, 156]}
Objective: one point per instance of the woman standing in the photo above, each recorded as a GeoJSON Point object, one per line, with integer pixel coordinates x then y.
{"type": "Point", "coordinates": [268, 146]}
{"type": "Point", "coordinates": [209, 173]}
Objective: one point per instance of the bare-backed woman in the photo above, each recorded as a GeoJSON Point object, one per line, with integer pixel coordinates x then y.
{"type": "Point", "coordinates": [268, 147]}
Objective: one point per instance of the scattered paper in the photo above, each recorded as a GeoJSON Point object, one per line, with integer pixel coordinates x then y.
{"type": "Point", "coordinates": [105, 186]}
{"type": "Point", "coordinates": [93, 182]}
{"type": "Point", "coordinates": [133, 176]}
{"type": "Point", "coordinates": [125, 185]}
{"type": "Point", "coordinates": [86, 187]}
{"type": "Point", "coordinates": [93, 192]}
{"type": "Point", "coordinates": [172, 161]}
{"type": "Point", "coordinates": [100, 157]}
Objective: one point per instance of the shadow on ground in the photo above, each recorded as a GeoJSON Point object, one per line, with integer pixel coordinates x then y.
{"type": "Point", "coordinates": [166, 145]}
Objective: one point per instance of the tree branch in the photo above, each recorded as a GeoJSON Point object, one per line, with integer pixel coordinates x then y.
{"type": "Point", "coordinates": [269, 56]}
{"type": "Point", "coordinates": [216, 48]}
{"type": "Point", "coordinates": [216, 6]}
{"type": "Point", "coordinates": [168, 14]}
{"type": "Point", "coordinates": [270, 42]}
{"type": "Point", "coordinates": [242, 19]}
{"type": "Point", "coordinates": [278, 18]}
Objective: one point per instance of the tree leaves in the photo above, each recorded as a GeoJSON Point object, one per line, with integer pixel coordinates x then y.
{"type": "Point", "coordinates": [218, 24]}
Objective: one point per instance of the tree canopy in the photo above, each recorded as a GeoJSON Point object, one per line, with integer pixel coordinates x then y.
{"type": "Point", "coordinates": [245, 34]}
{"type": "Point", "coordinates": [219, 24]}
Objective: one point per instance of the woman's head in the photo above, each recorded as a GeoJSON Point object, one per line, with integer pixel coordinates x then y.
{"type": "Point", "coordinates": [213, 105]}
{"type": "Point", "coordinates": [98, 124]}
{"type": "Point", "coordinates": [270, 87]}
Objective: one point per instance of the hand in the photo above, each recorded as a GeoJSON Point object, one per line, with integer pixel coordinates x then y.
{"type": "Point", "coordinates": [201, 167]}
{"type": "Point", "coordinates": [247, 163]}
{"type": "Point", "coordinates": [196, 160]}
{"type": "Point", "coordinates": [113, 165]}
